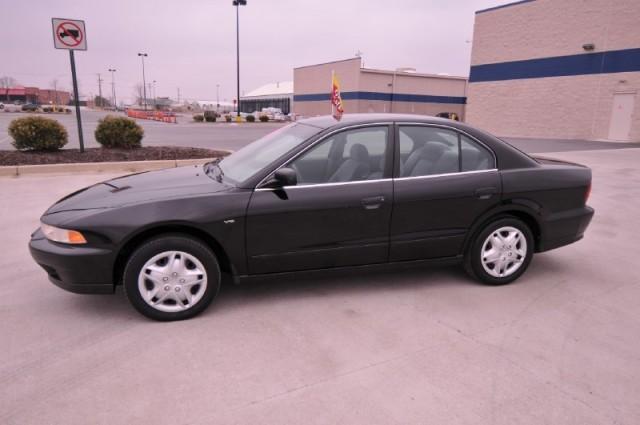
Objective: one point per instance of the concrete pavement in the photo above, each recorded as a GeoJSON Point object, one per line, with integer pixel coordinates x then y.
{"type": "Point", "coordinates": [413, 346]}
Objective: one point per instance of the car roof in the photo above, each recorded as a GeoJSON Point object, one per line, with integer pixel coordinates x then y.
{"type": "Point", "coordinates": [326, 121]}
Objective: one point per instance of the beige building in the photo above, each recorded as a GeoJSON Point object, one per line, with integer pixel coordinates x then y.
{"type": "Point", "coordinates": [565, 69]}
{"type": "Point", "coordinates": [373, 90]}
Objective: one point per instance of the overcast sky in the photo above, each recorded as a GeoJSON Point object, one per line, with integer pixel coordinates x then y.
{"type": "Point", "coordinates": [191, 43]}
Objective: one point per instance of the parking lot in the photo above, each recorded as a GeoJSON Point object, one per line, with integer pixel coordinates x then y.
{"type": "Point", "coordinates": [408, 345]}
{"type": "Point", "coordinates": [186, 132]}
{"type": "Point", "coordinates": [232, 136]}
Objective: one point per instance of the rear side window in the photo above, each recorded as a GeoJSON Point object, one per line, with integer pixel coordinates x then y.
{"type": "Point", "coordinates": [428, 151]}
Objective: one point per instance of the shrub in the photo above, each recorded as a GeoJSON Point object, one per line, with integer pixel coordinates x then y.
{"type": "Point", "coordinates": [210, 116]}
{"type": "Point", "coordinates": [119, 132]}
{"type": "Point", "coordinates": [67, 110]}
{"type": "Point", "coordinates": [227, 118]}
{"type": "Point", "coordinates": [37, 133]}
{"type": "Point", "coordinates": [264, 118]}
{"type": "Point", "coordinates": [46, 109]}
{"type": "Point", "coordinates": [250, 118]}
{"type": "Point", "coordinates": [198, 118]}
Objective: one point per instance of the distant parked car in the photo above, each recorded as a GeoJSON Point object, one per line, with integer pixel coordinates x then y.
{"type": "Point", "coordinates": [11, 107]}
{"type": "Point", "coordinates": [30, 107]}
{"type": "Point", "coordinates": [316, 194]}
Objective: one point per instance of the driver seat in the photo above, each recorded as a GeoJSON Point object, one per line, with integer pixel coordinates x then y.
{"type": "Point", "coordinates": [356, 167]}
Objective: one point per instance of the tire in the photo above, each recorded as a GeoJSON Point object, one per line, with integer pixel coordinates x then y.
{"type": "Point", "coordinates": [171, 277]}
{"type": "Point", "coordinates": [496, 255]}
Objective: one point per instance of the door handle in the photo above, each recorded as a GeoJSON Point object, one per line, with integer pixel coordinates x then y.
{"type": "Point", "coordinates": [372, 203]}
{"type": "Point", "coordinates": [486, 192]}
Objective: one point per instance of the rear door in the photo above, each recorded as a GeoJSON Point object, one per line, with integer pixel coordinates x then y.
{"type": "Point", "coordinates": [337, 215]}
{"type": "Point", "coordinates": [444, 180]}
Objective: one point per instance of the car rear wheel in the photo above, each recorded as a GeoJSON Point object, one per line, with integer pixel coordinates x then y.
{"type": "Point", "coordinates": [501, 252]}
{"type": "Point", "coordinates": [171, 277]}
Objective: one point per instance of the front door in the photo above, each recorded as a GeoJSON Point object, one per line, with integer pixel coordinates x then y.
{"type": "Point", "coordinates": [445, 180]}
{"type": "Point", "coordinates": [620, 125]}
{"type": "Point", "coordinates": [337, 215]}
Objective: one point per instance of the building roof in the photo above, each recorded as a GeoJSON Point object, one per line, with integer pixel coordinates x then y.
{"type": "Point", "coordinates": [412, 74]}
{"type": "Point", "coordinates": [272, 89]}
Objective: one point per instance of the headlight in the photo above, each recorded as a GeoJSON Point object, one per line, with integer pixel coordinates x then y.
{"type": "Point", "coordinates": [57, 234]}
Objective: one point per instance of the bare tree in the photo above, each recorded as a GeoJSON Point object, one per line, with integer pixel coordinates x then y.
{"type": "Point", "coordinates": [137, 93]}
{"type": "Point", "coordinates": [6, 83]}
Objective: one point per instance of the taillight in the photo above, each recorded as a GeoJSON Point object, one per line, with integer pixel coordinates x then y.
{"type": "Point", "coordinates": [587, 193]}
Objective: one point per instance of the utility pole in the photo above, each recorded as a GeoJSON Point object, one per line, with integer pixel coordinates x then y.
{"type": "Point", "coordinates": [144, 84]}
{"type": "Point", "coordinates": [217, 97]}
{"type": "Point", "coordinates": [100, 91]}
{"type": "Point", "coordinates": [178, 95]}
{"type": "Point", "coordinates": [113, 89]}
{"type": "Point", "coordinates": [237, 4]}
{"type": "Point", "coordinates": [155, 98]}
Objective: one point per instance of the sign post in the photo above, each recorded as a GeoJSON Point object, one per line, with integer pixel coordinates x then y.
{"type": "Point", "coordinates": [69, 34]}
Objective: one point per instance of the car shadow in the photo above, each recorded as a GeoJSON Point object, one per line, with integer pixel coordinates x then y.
{"type": "Point", "coordinates": [331, 282]}
{"type": "Point", "coordinates": [275, 288]}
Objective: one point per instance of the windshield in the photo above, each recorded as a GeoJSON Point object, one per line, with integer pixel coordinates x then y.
{"type": "Point", "coordinates": [252, 158]}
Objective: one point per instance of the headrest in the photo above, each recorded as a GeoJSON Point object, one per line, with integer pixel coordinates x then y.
{"type": "Point", "coordinates": [432, 151]}
{"type": "Point", "coordinates": [359, 153]}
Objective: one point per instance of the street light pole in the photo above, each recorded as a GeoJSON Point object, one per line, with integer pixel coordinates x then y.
{"type": "Point", "coordinates": [217, 97]}
{"type": "Point", "coordinates": [113, 89]}
{"type": "Point", "coordinates": [144, 82]}
{"type": "Point", "coordinates": [237, 4]}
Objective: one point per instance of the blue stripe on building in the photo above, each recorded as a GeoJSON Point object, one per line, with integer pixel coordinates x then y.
{"type": "Point", "coordinates": [385, 97]}
{"type": "Point", "coordinates": [613, 61]}
{"type": "Point", "coordinates": [515, 3]}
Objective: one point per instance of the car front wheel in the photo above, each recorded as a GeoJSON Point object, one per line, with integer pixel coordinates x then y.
{"type": "Point", "coordinates": [501, 252]}
{"type": "Point", "coordinates": [171, 277]}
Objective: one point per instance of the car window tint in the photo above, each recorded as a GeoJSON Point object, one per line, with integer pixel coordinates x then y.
{"type": "Point", "coordinates": [474, 156]}
{"type": "Point", "coordinates": [252, 158]}
{"type": "Point", "coordinates": [351, 155]}
{"type": "Point", "coordinates": [374, 139]}
{"type": "Point", "coordinates": [406, 144]}
{"type": "Point", "coordinates": [320, 151]}
{"type": "Point", "coordinates": [434, 151]}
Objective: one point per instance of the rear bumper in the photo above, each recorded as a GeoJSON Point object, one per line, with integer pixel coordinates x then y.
{"type": "Point", "coordinates": [82, 270]}
{"type": "Point", "coordinates": [565, 228]}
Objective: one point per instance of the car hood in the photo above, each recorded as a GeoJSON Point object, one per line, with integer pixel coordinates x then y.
{"type": "Point", "coordinates": [137, 188]}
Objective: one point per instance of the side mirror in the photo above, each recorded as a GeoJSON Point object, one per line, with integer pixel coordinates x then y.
{"type": "Point", "coordinates": [285, 177]}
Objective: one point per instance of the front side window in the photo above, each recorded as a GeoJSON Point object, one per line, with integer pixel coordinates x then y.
{"type": "Point", "coordinates": [351, 155]}
{"type": "Point", "coordinates": [252, 158]}
{"type": "Point", "coordinates": [426, 151]}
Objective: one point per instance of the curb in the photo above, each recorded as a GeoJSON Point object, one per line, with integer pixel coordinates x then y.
{"type": "Point", "coordinates": [97, 167]}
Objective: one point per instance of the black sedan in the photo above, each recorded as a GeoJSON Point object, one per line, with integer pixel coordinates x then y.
{"type": "Point", "coordinates": [316, 194]}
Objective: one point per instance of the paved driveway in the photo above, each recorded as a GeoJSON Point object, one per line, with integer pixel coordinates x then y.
{"type": "Point", "coordinates": [415, 346]}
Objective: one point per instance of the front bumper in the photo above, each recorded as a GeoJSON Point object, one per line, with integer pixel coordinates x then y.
{"type": "Point", "coordinates": [79, 269]}
{"type": "Point", "coordinates": [565, 228]}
